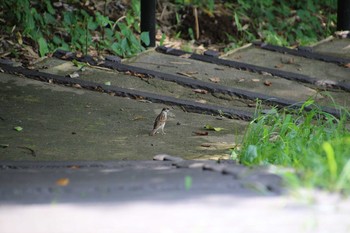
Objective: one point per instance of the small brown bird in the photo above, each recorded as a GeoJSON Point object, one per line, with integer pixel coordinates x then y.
{"type": "Point", "coordinates": [159, 123]}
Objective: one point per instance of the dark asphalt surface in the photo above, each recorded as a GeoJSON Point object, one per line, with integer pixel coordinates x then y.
{"type": "Point", "coordinates": [118, 181]}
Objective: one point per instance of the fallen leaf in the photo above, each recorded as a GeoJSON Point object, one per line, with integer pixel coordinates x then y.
{"type": "Point", "coordinates": [4, 145]}
{"type": "Point", "coordinates": [205, 145]}
{"type": "Point", "coordinates": [186, 55]}
{"type": "Point", "coordinates": [288, 61]}
{"type": "Point", "coordinates": [279, 66]}
{"type": "Point", "coordinates": [267, 83]}
{"type": "Point", "coordinates": [19, 38]}
{"type": "Point", "coordinates": [266, 73]}
{"type": "Point", "coordinates": [76, 86]}
{"type": "Point", "coordinates": [191, 72]}
{"type": "Point", "coordinates": [136, 118]}
{"type": "Point", "coordinates": [209, 127]}
{"type": "Point", "coordinates": [78, 64]}
{"type": "Point", "coordinates": [201, 91]}
{"type": "Point", "coordinates": [108, 83]}
{"type": "Point", "coordinates": [18, 128]}
{"type": "Point", "coordinates": [73, 75]}
{"type": "Point", "coordinates": [62, 182]}
{"type": "Point", "coordinates": [185, 74]}
{"type": "Point", "coordinates": [214, 79]}
{"type": "Point", "coordinates": [201, 101]}
{"type": "Point", "coordinates": [188, 182]}
{"type": "Point", "coordinates": [347, 65]}
{"type": "Point", "coordinates": [201, 133]}
{"type": "Point", "coordinates": [256, 80]}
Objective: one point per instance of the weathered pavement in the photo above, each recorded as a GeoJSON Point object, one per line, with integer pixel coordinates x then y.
{"type": "Point", "coordinates": [158, 196]}
{"type": "Point", "coordinates": [83, 160]}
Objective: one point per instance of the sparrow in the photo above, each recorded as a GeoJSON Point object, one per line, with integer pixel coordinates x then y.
{"type": "Point", "coordinates": [159, 123]}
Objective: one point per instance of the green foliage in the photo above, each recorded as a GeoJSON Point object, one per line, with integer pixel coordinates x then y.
{"type": "Point", "coordinates": [206, 4]}
{"type": "Point", "coordinates": [286, 22]}
{"type": "Point", "coordinates": [74, 29]}
{"type": "Point", "coordinates": [281, 22]}
{"type": "Point", "coordinates": [314, 143]}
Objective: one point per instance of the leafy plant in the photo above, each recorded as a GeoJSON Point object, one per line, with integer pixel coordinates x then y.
{"type": "Point", "coordinates": [287, 22]}
{"type": "Point", "coordinates": [74, 28]}
{"type": "Point", "coordinates": [314, 143]}
{"type": "Point", "coordinates": [206, 4]}
{"type": "Point", "coordinates": [277, 22]}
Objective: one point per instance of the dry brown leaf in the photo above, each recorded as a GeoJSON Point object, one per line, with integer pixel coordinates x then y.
{"type": "Point", "coordinates": [205, 145]}
{"type": "Point", "coordinates": [76, 86]}
{"type": "Point", "coordinates": [79, 54]}
{"type": "Point", "coordinates": [62, 182]}
{"type": "Point", "coordinates": [347, 65]}
{"type": "Point", "coordinates": [201, 101]}
{"type": "Point", "coordinates": [267, 83]}
{"type": "Point", "coordinates": [137, 118]}
{"type": "Point", "coordinates": [19, 38]}
{"type": "Point", "coordinates": [201, 133]}
{"type": "Point", "coordinates": [266, 73]}
{"type": "Point", "coordinates": [186, 55]}
{"type": "Point", "coordinates": [288, 61]}
{"type": "Point", "coordinates": [214, 79]}
{"type": "Point", "coordinates": [201, 91]}
{"type": "Point", "coordinates": [279, 66]}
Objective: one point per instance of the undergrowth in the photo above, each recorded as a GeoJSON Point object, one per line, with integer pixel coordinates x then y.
{"type": "Point", "coordinates": [281, 22]}
{"type": "Point", "coordinates": [71, 27]}
{"type": "Point", "coordinates": [42, 26]}
{"type": "Point", "coordinates": [314, 143]}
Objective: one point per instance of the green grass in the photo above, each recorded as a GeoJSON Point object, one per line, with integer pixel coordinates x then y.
{"type": "Point", "coordinates": [314, 143]}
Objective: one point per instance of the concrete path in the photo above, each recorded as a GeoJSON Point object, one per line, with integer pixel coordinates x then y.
{"type": "Point", "coordinates": [76, 160]}
{"type": "Point", "coordinates": [158, 196]}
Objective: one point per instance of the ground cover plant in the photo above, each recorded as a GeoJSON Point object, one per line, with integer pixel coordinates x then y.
{"type": "Point", "coordinates": [73, 25]}
{"type": "Point", "coordinates": [38, 27]}
{"type": "Point", "coordinates": [314, 143]}
{"type": "Point", "coordinates": [241, 21]}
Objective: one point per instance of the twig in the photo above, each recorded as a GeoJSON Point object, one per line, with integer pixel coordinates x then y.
{"type": "Point", "coordinates": [195, 12]}
{"type": "Point", "coordinates": [27, 148]}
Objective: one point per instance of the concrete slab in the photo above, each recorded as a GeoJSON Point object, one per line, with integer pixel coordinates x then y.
{"type": "Point", "coordinates": [326, 72]}
{"type": "Point", "coordinates": [227, 76]}
{"type": "Point", "coordinates": [64, 123]}
{"type": "Point", "coordinates": [334, 46]}
{"type": "Point", "coordinates": [110, 196]}
{"type": "Point", "coordinates": [79, 132]}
